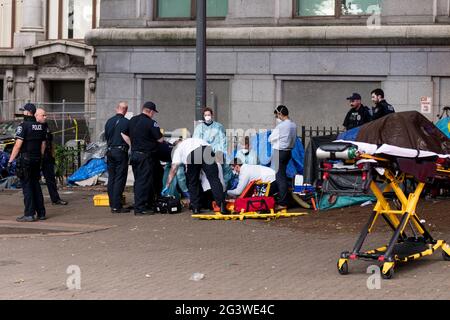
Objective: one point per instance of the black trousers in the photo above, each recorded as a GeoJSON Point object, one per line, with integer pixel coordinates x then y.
{"type": "Point", "coordinates": [32, 192]}
{"type": "Point", "coordinates": [196, 162]}
{"type": "Point", "coordinates": [283, 157]}
{"type": "Point", "coordinates": [117, 162]}
{"type": "Point", "coordinates": [143, 166]}
{"type": "Point", "coordinates": [48, 170]}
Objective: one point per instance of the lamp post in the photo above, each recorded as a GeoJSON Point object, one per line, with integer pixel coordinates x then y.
{"type": "Point", "coordinates": [200, 89]}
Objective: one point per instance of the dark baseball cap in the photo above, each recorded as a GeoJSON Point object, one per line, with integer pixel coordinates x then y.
{"type": "Point", "coordinates": [355, 96]}
{"type": "Point", "coordinates": [150, 105]}
{"type": "Point", "coordinates": [29, 107]}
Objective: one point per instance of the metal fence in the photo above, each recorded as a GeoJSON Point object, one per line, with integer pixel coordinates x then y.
{"type": "Point", "coordinates": [307, 133]}
{"type": "Point", "coordinates": [67, 120]}
{"type": "Point", "coordinates": [68, 160]}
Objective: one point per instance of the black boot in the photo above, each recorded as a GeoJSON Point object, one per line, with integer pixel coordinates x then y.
{"type": "Point", "coordinates": [223, 208]}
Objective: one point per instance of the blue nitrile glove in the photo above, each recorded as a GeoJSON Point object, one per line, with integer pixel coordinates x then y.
{"type": "Point", "coordinates": [186, 195]}
{"type": "Point", "coordinates": [9, 167]}
{"type": "Point", "coordinates": [165, 192]}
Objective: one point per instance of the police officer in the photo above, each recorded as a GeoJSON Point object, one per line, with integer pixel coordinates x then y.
{"type": "Point", "coordinates": [358, 114]}
{"type": "Point", "coordinates": [381, 108]}
{"type": "Point", "coordinates": [28, 149]}
{"type": "Point", "coordinates": [283, 140]}
{"type": "Point", "coordinates": [145, 135]}
{"type": "Point", "coordinates": [48, 163]}
{"type": "Point", "coordinates": [118, 141]}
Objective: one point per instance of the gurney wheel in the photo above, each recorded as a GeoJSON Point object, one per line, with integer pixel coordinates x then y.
{"type": "Point", "coordinates": [445, 256]}
{"type": "Point", "coordinates": [389, 274]}
{"type": "Point", "coordinates": [344, 269]}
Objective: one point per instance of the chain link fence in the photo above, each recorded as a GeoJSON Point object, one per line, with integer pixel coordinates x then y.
{"type": "Point", "coordinates": [72, 125]}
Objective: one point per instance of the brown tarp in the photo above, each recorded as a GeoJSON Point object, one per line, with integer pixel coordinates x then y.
{"type": "Point", "coordinates": [408, 129]}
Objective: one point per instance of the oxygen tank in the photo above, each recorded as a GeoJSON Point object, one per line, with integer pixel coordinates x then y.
{"type": "Point", "coordinates": [346, 154]}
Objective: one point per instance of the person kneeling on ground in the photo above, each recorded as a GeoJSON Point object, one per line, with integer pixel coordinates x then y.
{"type": "Point", "coordinates": [197, 155]}
{"type": "Point", "coordinates": [249, 172]}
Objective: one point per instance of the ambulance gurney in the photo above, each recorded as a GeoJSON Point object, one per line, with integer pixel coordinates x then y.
{"type": "Point", "coordinates": [390, 165]}
{"type": "Point", "coordinates": [254, 203]}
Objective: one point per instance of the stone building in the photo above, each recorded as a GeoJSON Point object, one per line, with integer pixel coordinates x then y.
{"type": "Point", "coordinates": [43, 57]}
{"type": "Point", "coordinates": [307, 54]}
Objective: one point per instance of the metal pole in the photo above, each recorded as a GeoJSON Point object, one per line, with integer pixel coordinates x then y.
{"type": "Point", "coordinates": [200, 91]}
{"type": "Point", "coordinates": [63, 127]}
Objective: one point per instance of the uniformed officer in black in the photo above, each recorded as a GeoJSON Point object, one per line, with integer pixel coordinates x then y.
{"type": "Point", "coordinates": [381, 108]}
{"type": "Point", "coordinates": [145, 135]}
{"type": "Point", "coordinates": [28, 149]}
{"type": "Point", "coordinates": [118, 141]}
{"type": "Point", "coordinates": [358, 114]}
{"type": "Point", "coordinates": [48, 163]}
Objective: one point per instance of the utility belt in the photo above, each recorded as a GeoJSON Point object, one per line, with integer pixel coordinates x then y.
{"type": "Point", "coordinates": [28, 158]}
{"type": "Point", "coordinates": [121, 148]}
{"type": "Point", "coordinates": [24, 162]}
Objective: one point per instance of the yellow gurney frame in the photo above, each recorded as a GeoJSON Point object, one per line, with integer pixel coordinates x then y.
{"type": "Point", "coordinates": [249, 215]}
{"type": "Point", "coordinates": [400, 248]}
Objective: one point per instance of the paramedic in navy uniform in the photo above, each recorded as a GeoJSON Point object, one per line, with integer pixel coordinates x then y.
{"type": "Point", "coordinates": [29, 149]}
{"type": "Point", "coordinates": [283, 139]}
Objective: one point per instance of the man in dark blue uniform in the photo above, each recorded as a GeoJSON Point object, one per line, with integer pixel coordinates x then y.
{"type": "Point", "coordinates": [28, 149]}
{"type": "Point", "coordinates": [48, 163]}
{"type": "Point", "coordinates": [381, 108]}
{"type": "Point", "coordinates": [118, 141]}
{"type": "Point", "coordinates": [145, 135]}
{"type": "Point", "coordinates": [358, 114]}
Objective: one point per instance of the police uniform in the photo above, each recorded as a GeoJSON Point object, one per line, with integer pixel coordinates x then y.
{"type": "Point", "coordinates": [28, 162]}
{"type": "Point", "coordinates": [356, 118]}
{"type": "Point", "coordinates": [117, 158]}
{"type": "Point", "coordinates": [48, 167]}
{"type": "Point", "coordinates": [381, 109]}
{"type": "Point", "coordinates": [144, 136]}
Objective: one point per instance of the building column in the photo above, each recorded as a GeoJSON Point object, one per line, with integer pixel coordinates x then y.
{"type": "Point", "coordinates": [32, 30]}
{"type": "Point", "coordinates": [9, 109]}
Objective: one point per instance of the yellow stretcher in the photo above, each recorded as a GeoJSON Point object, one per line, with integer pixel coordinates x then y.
{"type": "Point", "coordinates": [401, 248]}
{"type": "Point", "coordinates": [249, 215]}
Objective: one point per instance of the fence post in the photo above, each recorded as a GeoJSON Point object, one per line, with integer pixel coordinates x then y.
{"type": "Point", "coordinates": [63, 121]}
{"type": "Point", "coordinates": [303, 135]}
{"type": "Point", "coordinates": [78, 154]}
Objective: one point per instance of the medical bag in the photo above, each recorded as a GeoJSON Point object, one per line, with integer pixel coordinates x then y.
{"type": "Point", "coordinates": [167, 205]}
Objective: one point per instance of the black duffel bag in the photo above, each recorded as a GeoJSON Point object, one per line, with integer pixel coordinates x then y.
{"type": "Point", "coordinates": [167, 205]}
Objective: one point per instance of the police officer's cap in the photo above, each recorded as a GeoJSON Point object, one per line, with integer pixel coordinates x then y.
{"type": "Point", "coordinates": [29, 107]}
{"type": "Point", "coordinates": [355, 96]}
{"type": "Point", "coordinates": [150, 105]}
{"type": "Point", "coordinates": [282, 109]}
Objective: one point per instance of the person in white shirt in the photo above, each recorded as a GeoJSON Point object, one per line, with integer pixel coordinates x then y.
{"type": "Point", "coordinates": [197, 155]}
{"type": "Point", "coordinates": [249, 172]}
{"type": "Point", "coordinates": [283, 139]}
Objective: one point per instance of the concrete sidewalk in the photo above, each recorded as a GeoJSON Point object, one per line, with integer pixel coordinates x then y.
{"type": "Point", "coordinates": [154, 257]}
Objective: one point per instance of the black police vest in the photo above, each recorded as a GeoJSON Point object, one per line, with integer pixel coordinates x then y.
{"type": "Point", "coordinates": [35, 133]}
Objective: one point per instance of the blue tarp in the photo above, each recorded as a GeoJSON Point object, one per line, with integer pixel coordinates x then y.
{"type": "Point", "coordinates": [444, 126]}
{"type": "Point", "coordinates": [349, 135]}
{"type": "Point", "coordinates": [4, 157]}
{"type": "Point", "coordinates": [92, 168]}
{"type": "Point", "coordinates": [260, 143]}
